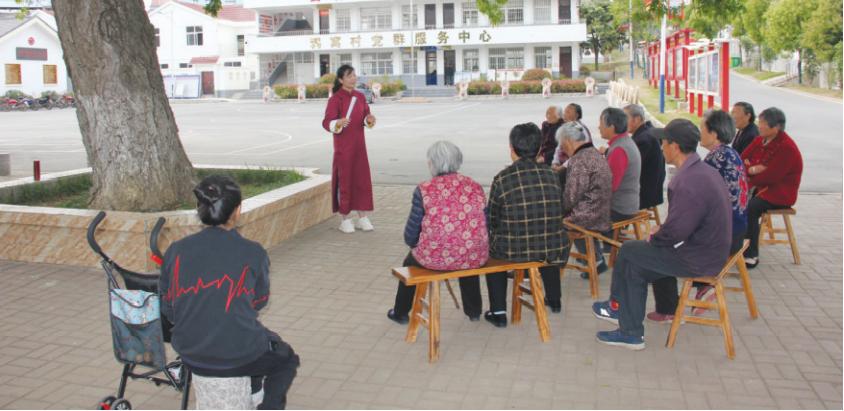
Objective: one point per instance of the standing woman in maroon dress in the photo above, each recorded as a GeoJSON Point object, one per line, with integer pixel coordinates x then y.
{"type": "Point", "coordinates": [351, 184]}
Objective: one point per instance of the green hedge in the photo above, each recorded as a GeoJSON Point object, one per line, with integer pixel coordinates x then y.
{"type": "Point", "coordinates": [477, 88]}
{"type": "Point", "coordinates": [320, 90]}
{"type": "Point", "coordinates": [535, 74]}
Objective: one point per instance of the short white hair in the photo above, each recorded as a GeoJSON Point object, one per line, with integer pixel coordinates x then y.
{"type": "Point", "coordinates": [444, 157]}
{"type": "Point", "coordinates": [571, 131]}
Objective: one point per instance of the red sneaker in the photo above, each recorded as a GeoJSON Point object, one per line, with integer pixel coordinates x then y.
{"type": "Point", "coordinates": [660, 318]}
{"type": "Point", "coordinates": [704, 294]}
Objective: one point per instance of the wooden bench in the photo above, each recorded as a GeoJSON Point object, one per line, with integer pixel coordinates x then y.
{"type": "Point", "coordinates": [428, 281]}
{"type": "Point", "coordinates": [591, 238]}
{"type": "Point", "coordinates": [640, 224]}
{"type": "Point", "coordinates": [766, 227]}
{"type": "Point", "coordinates": [723, 321]}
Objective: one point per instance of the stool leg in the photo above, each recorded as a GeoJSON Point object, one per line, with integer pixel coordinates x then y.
{"type": "Point", "coordinates": [516, 315]}
{"type": "Point", "coordinates": [745, 284]}
{"type": "Point", "coordinates": [792, 240]}
{"type": "Point", "coordinates": [413, 326]}
{"type": "Point", "coordinates": [593, 270]}
{"type": "Point", "coordinates": [678, 314]}
{"type": "Point", "coordinates": [656, 216]}
{"type": "Point", "coordinates": [434, 322]}
{"type": "Point", "coordinates": [724, 317]}
{"type": "Point", "coordinates": [614, 250]}
{"type": "Point", "coordinates": [539, 305]}
{"type": "Point", "coordinates": [769, 226]}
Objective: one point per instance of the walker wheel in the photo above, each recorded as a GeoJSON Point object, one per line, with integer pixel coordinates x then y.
{"type": "Point", "coordinates": [121, 404]}
{"type": "Point", "coordinates": [105, 403]}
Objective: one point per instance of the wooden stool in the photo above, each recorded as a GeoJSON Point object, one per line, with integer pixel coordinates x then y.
{"type": "Point", "coordinates": [654, 215]}
{"type": "Point", "coordinates": [591, 238]}
{"type": "Point", "coordinates": [640, 225]}
{"type": "Point", "coordinates": [766, 226]}
{"type": "Point", "coordinates": [723, 320]}
{"type": "Point", "coordinates": [428, 281]}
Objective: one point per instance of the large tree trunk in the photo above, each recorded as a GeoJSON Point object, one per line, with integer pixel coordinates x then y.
{"type": "Point", "coordinates": [128, 129]}
{"type": "Point", "coordinates": [799, 66]}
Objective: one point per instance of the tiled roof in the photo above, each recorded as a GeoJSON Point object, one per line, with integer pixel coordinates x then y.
{"type": "Point", "coordinates": [228, 12]}
{"type": "Point", "coordinates": [205, 60]}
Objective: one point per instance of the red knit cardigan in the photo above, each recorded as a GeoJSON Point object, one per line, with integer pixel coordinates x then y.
{"type": "Point", "coordinates": [779, 183]}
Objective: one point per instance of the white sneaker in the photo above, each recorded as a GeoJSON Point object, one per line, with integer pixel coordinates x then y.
{"type": "Point", "coordinates": [257, 398]}
{"type": "Point", "coordinates": [364, 224]}
{"type": "Point", "coordinates": [347, 226]}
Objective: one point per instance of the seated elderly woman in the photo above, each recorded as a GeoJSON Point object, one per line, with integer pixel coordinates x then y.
{"type": "Point", "coordinates": [446, 229]}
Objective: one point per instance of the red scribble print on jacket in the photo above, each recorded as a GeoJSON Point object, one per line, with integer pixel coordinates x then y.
{"type": "Point", "coordinates": [235, 289]}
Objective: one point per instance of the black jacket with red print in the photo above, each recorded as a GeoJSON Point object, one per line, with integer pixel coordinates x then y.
{"type": "Point", "coordinates": [212, 285]}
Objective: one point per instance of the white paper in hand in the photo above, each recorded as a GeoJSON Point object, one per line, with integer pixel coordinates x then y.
{"type": "Point", "coordinates": [351, 107]}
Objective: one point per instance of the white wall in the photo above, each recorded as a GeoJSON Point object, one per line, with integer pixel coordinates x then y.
{"type": "Point", "coordinates": [32, 71]}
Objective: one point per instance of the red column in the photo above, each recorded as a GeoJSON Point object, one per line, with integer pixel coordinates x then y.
{"type": "Point", "coordinates": [725, 76]}
{"type": "Point", "coordinates": [700, 105]}
{"type": "Point", "coordinates": [667, 59]}
{"type": "Point", "coordinates": [691, 94]}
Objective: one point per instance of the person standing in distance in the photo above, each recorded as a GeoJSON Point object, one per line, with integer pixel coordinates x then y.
{"type": "Point", "coordinates": [351, 183]}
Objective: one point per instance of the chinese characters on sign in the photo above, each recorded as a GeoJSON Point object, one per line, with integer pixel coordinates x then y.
{"type": "Point", "coordinates": [444, 38]}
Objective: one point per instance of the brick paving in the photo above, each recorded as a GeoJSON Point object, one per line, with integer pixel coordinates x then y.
{"type": "Point", "coordinates": [331, 292]}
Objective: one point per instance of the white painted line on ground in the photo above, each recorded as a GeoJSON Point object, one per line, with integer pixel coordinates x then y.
{"type": "Point", "coordinates": [288, 137]}
{"type": "Point", "coordinates": [412, 119]}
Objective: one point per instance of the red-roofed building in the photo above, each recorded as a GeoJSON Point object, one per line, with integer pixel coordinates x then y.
{"type": "Point", "coordinates": [202, 55]}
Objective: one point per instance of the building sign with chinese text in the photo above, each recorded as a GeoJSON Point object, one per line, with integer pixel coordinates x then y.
{"type": "Point", "coordinates": [27, 53]}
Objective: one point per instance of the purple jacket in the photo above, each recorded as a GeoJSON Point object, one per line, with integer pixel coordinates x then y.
{"type": "Point", "coordinates": [699, 223]}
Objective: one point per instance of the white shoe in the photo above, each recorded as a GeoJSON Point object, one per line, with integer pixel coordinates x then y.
{"type": "Point", "coordinates": [257, 398]}
{"type": "Point", "coordinates": [364, 224]}
{"type": "Point", "coordinates": [347, 226]}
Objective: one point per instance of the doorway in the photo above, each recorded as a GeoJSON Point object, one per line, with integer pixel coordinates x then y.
{"type": "Point", "coordinates": [207, 83]}
{"type": "Point", "coordinates": [324, 64]}
{"type": "Point", "coordinates": [565, 61]}
{"type": "Point", "coordinates": [450, 66]}
{"type": "Point", "coordinates": [430, 68]}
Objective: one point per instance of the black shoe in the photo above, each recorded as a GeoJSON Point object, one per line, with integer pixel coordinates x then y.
{"type": "Point", "coordinates": [498, 320]}
{"type": "Point", "coordinates": [399, 319]}
{"type": "Point", "coordinates": [751, 262]}
{"type": "Point", "coordinates": [555, 306]}
{"type": "Point", "coordinates": [600, 268]}
{"type": "Point", "coordinates": [474, 318]}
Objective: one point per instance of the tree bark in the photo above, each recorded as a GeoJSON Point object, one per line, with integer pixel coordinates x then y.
{"type": "Point", "coordinates": [799, 66]}
{"type": "Point", "coordinates": [127, 126]}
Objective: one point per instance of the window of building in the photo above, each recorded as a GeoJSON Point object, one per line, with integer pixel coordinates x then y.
{"type": "Point", "coordinates": [241, 45]}
{"type": "Point", "coordinates": [541, 11]}
{"type": "Point", "coordinates": [303, 57]}
{"type": "Point", "coordinates": [194, 35]}
{"type": "Point", "coordinates": [232, 64]}
{"type": "Point", "coordinates": [470, 14]}
{"type": "Point", "coordinates": [408, 62]}
{"type": "Point", "coordinates": [376, 18]}
{"type": "Point", "coordinates": [338, 60]}
{"type": "Point", "coordinates": [542, 56]}
{"type": "Point", "coordinates": [409, 20]}
{"type": "Point", "coordinates": [165, 66]}
{"type": "Point", "coordinates": [514, 12]}
{"type": "Point", "coordinates": [376, 63]}
{"type": "Point", "coordinates": [13, 74]}
{"type": "Point", "coordinates": [185, 65]}
{"type": "Point", "coordinates": [50, 76]}
{"type": "Point", "coordinates": [471, 60]}
{"type": "Point", "coordinates": [510, 58]}
{"type": "Point", "coordinates": [343, 21]}
{"type": "Point", "coordinates": [565, 12]}
{"type": "Point", "coordinates": [157, 38]}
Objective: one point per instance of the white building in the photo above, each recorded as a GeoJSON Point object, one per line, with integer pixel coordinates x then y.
{"type": "Point", "coordinates": [203, 55]}
{"type": "Point", "coordinates": [425, 43]}
{"type": "Point", "coordinates": [31, 54]}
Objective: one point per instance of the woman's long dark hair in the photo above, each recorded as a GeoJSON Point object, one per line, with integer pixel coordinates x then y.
{"type": "Point", "coordinates": [216, 199]}
{"type": "Point", "coordinates": [341, 72]}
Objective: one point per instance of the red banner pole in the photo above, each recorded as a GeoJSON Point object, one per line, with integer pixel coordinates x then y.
{"type": "Point", "coordinates": [725, 76]}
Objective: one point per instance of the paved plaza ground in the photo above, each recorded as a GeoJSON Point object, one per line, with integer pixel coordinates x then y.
{"type": "Point", "coordinates": [330, 293]}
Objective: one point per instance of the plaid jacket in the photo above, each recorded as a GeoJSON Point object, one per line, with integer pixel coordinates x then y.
{"type": "Point", "coordinates": [525, 214]}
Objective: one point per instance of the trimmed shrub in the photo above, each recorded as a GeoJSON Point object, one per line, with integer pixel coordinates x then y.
{"type": "Point", "coordinates": [327, 78]}
{"type": "Point", "coordinates": [16, 94]}
{"type": "Point", "coordinates": [315, 91]}
{"type": "Point", "coordinates": [391, 88]}
{"type": "Point", "coordinates": [585, 70]}
{"type": "Point", "coordinates": [568, 86]}
{"type": "Point", "coordinates": [477, 88]}
{"type": "Point", "coordinates": [286, 91]}
{"type": "Point", "coordinates": [535, 74]}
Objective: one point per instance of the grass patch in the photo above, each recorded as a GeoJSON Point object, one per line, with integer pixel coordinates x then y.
{"type": "Point", "coordinates": [72, 192]}
{"type": "Point", "coordinates": [649, 97]}
{"type": "Point", "coordinates": [815, 90]}
{"type": "Point", "coordinates": [758, 75]}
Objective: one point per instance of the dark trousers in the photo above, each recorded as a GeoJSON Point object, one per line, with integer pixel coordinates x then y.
{"type": "Point", "coordinates": [638, 264]}
{"type": "Point", "coordinates": [666, 296]}
{"type": "Point", "coordinates": [276, 369]}
{"type": "Point", "coordinates": [755, 208]}
{"type": "Point", "coordinates": [470, 292]}
{"type": "Point", "coordinates": [496, 284]}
